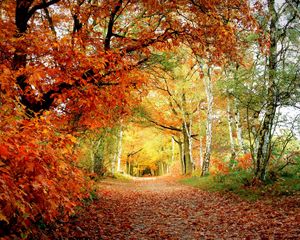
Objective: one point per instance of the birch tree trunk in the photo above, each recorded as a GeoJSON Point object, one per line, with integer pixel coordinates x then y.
{"type": "Point", "coordinates": [173, 150]}
{"type": "Point", "coordinates": [182, 160]}
{"type": "Point", "coordinates": [265, 131]}
{"type": "Point", "coordinates": [187, 152]}
{"type": "Point", "coordinates": [200, 152]}
{"type": "Point", "coordinates": [239, 128]}
{"type": "Point", "coordinates": [187, 141]}
{"type": "Point", "coordinates": [187, 138]}
{"type": "Point", "coordinates": [191, 144]}
{"type": "Point", "coordinates": [209, 120]}
{"type": "Point", "coordinates": [230, 129]}
{"type": "Point", "coordinates": [200, 146]}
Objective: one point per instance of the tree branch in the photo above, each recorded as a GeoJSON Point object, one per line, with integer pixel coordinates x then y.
{"type": "Point", "coordinates": [165, 127]}
{"type": "Point", "coordinates": [110, 25]}
{"type": "Point", "coordinates": [40, 6]}
{"type": "Point", "coordinates": [133, 153]}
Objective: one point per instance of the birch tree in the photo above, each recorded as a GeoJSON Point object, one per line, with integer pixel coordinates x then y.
{"type": "Point", "coordinates": [230, 129]}
{"type": "Point", "coordinates": [209, 122]}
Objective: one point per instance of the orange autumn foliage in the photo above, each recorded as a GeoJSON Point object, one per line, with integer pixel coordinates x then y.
{"type": "Point", "coordinates": [69, 66]}
{"type": "Point", "coordinates": [38, 178]}
{"type": "Point", "coordinates": [219, 167]}
{"type": "Point", "coordinates": [245, 161]}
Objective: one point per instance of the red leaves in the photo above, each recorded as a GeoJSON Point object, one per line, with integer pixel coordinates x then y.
{"type": "Point", "coordinates": [4, 153]}
{"type": "Point", "coordinates": [36, 170]}
{"type": "Point", "coordinates": [245, 161]}
{"type": "Point", "coordinates": [219, 167]}
{"type": "Point", "coordinates": [163, 209]}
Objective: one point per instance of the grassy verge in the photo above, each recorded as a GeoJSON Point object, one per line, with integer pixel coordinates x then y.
{"type": "Point", "coordinates": [240, 183]}
{"type": "Point", "coordinates": [123, 177]}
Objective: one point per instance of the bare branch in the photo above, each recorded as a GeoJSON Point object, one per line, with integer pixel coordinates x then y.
{"type": "Point", "coordinates": [164, 126]}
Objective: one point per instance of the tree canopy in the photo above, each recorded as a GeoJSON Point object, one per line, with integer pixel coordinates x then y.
{"type": "Point", "coordinates": [76, 74]}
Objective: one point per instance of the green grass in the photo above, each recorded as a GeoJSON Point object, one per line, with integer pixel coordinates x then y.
{"type": "Point", "coordinates": [288, 183]}
{"type": "Point", "coordinates": [240, 183]}
{"type": "Point", "coordinates": [123, 177]}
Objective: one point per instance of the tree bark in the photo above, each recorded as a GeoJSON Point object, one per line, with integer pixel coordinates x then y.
{"type": "Point", "coordinates": [173, 150]}
{"type": "Point", "coordinates": [24, 11]}
{"type": "Point", "coordinates": [265, 132]}
{"type": "Point", "coordinates": [97, 157]}
{"type": "Point", "coordinates": [200, 152]}
{"type": "Point", "coordinates": [186, 152]}
{"type": "Point", "coordinates": [230, 129]}
{"type": "Point", "coordinates": [119, 153]}
{"type": "Point", "coordinates": [239, 128]}
{"type": "Point", "coordinates": [187, 138]}
{"type": "Point", "coordinates": [209, 121]}
{"type": "Point", "coordinates": [182, 159]}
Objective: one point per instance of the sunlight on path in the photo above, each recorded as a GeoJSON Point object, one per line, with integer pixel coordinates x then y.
{"type": "Point", "coordinates": [146, 178]}
{"type": "Point", "coordinates": [161, 208]}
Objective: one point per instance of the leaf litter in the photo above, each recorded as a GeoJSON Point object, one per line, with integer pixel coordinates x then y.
{"type": "Point", "coordinates": [162, 208]}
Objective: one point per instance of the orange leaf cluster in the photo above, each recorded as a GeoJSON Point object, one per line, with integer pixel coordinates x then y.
{"type": "Point", "coordinates": [38, 180]}
{"type": "Point", "coordinates": [245, 161]}
{"type": "Point", "coordinates": [219, 167]}
{"type": "Point", "coordinates": [67, 66]}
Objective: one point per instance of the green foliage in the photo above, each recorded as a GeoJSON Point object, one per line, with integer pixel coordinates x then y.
{"type": "Point", "coordinates": [197, 173]}
{"type": "Point", "coordinates": [41, 224]}
{"type": "Point", "coordinates": [97, 149]}
{"type": "Point", "coordinates": [234, 182]}
{"type": "Point", "coordinates": [123, 177]}
{"type": "Point", "coordinates": [286, 181]}
{"type": "Point", "coordinates": [167, 61]}
{"type": "Point", "coordinates": [252, 37]}
{"type": "Point", "coordinates": [91, 197]}
{"type": "Point", "coordinates": [285, 185]}
{"type": "Point", "coordinates": [242, 183]}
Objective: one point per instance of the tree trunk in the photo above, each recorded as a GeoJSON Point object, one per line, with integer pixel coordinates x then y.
{"type": "Point", "coordinates": [127, 167]}
{"type": "Point", "coordinates": [187, 138]}
{"type": "Point", "coordinates": [191, 144]}
{"type": "Point", "coordinates": [173, 150]}
{"type": "Point", "coordinates": [20, 56]}
{"type": "Point", "coordinates": [265, 132]}
{"type": "Point", "coordinates": [200, 151]}
{"type": "Point", "coordinates": [230, 129]}
{"type": "Point", "coordinates": [113, 163]}
{"type": "Point", "coordinates": [23, 13]}
{"type": "Point", "coordinates": [209, 121]}
{"type": "Point", "coordinates": [182, 159]}
{"type": "Point", "coordinates": [186, 151]}
{"type": "Point", "coordinates": [92, 156]}
{"type": "Point", "coordinates": [239, 128]}
{"type": "Point", "coordinates": [98, 160]}
{"type": "Point", "coordinates": [119, 151]}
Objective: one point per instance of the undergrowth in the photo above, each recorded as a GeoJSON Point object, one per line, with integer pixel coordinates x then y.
{"type": "Point", "coordinates": [242, 183]}
{"type": "Point", "coordinates": [122, 176]}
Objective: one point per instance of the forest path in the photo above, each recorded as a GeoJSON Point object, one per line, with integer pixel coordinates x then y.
{"type": "Point", "coordinates": [162, 208]}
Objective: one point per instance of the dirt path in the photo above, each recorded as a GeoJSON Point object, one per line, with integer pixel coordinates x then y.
{"type": "Point", "coordinates": [164, 209]}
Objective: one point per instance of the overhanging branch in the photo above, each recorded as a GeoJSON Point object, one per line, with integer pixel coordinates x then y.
{"type": "Point", "coordinates": [40, 6]}
{"type": "Point", "coordinates": [164, 126]}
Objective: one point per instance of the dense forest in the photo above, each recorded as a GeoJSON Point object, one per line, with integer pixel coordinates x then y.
{"type": "Point", "coordinates": [92, 89]}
